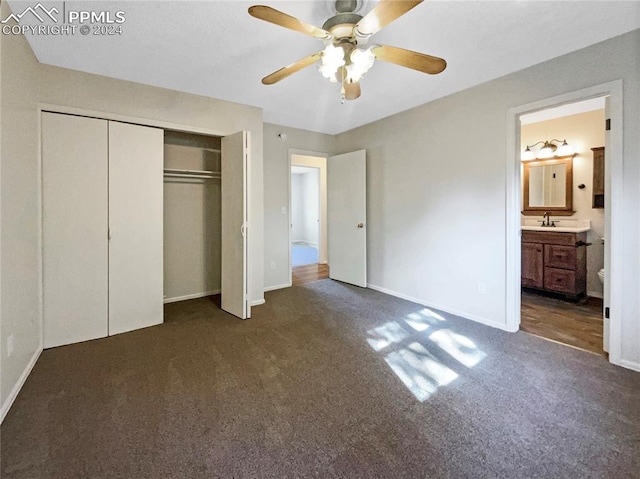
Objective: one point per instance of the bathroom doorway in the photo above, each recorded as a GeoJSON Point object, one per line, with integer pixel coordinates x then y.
{"type": "Point", "coordinates": [308, 218]}
{"type": "Point", "coordinates": [563, 222]}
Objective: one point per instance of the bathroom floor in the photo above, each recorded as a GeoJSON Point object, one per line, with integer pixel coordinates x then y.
{"type": "Point", "coordinates": [578, 325]}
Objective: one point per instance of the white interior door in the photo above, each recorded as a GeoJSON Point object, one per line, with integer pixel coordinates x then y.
{"type": "Point", "coordinates": [135, 226]}
{"type": "Point", "coordinates": [347, 217]}
{"type": "Point", "coordinates": [235, 158]}
{"type": "Point", "coordinates": [74, 227]}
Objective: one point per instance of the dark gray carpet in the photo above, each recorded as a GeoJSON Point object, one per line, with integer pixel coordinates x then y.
{"type": "Point", "coordinates": [326, 380]}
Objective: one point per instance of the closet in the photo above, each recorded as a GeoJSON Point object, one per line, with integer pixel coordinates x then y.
{"type": "Point", "coordinates": [102, 227]}
{"type": "Point", "coordinates": [192, 216]}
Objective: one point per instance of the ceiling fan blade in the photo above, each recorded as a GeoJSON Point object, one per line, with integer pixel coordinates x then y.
{"type": "Point", "coordinates": [276, 17]}
{"type": "Point", "coordinates": [291, 69]}
{"type": "Point", "coordinates": [407, 58]}
{"type": "Point", "coordinates": [351, 90]}
{"type": "Point", "coordinates": [385, 12]}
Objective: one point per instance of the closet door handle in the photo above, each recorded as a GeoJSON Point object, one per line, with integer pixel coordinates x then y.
{"type": "Point", "coordinates": [243, 230]}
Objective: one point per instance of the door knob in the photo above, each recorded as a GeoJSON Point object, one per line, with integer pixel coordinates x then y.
{"type": "Point", "coordinates": [360, 225]}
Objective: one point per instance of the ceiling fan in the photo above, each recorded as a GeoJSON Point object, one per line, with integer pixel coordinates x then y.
{"type": "Point", "coordinates": [344, 60]}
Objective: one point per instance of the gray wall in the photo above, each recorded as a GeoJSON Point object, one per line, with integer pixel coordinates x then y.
{"type": "Point", "coordinates": [192, 224]}
{"type": "Point", "coordinates": [437, 186]}
{"type": "Point", "coordinates": [276, 194]}
{"type": "Point", "coordinates": [19, 214]}
{"type": "Point", "coordinates": [297, 208]}
{"type": "Point", "coordinates": [311, 204]}
{"type": "Point", "coordinates": [24, 84]}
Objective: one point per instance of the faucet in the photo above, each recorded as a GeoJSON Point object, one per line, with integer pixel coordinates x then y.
{"type": "Point", "coordinates": [548, 222]}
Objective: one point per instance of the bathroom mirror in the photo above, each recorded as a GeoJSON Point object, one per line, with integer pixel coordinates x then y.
{"type": "Point", "coordinates": [548, 186]}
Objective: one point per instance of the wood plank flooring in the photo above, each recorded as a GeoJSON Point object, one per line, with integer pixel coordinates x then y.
{"type": "Point", "coordinates": [309, 273]}
{"type": "Point", "coordinates": [578, 325]}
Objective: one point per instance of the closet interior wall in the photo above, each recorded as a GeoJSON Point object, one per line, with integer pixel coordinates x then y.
{"type": "Point", "coordinates": [192, 216]}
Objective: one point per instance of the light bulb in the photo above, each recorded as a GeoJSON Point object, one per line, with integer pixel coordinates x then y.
{"type": "Point", "coordinates": [328, 71]}
{"type": "Point", "coordinates": [565, 149]}
{"type": "Point", "coordinates": [361, 62]}
{"type": "Point", "coordinates": [547, 151]}
{"type": "Point", "coordinates": [363, 59]}
{"type": "Point", "coordinates": [332, 59]}
{"type": "Point", "coordinates": [527, 155]}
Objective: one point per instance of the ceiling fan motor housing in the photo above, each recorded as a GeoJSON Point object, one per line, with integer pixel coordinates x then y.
{"type": "Point", "coordinates": [341, 25]}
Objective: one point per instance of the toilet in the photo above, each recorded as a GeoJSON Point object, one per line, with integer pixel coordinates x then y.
{"type": "Point", "coordinates": [601, 275]}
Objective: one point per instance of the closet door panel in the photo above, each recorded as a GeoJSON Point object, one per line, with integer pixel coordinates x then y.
{"type": "Point", "coordinates": [74, 228]}
{"type": "Point", "coordinates": [234, 225]}
{"type": "Point", "coordinates": [135, 223]}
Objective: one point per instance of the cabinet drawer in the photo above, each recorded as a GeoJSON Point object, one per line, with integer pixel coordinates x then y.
{"type": "Point", "coordinates": [556, 256]}
{"type": "Point", "coordinates": [551, 237]}
{"type": "Point", "coordinates": [560, 280]}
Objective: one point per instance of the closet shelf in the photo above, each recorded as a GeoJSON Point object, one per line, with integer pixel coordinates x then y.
{"type": "Point", "coordinates": [203, 174]}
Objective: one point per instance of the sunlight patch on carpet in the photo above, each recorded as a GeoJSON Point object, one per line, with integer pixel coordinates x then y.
{"type": "Point", "coordinates": [420, 372]}
{"type": "Point", "coordinates": [405, 345]}
{"type": "Point", "coordinates": [458, 346]}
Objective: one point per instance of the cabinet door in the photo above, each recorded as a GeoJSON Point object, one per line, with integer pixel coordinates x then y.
{"type": "Point", "coordinates": [135, 222]}
{"type": "Point", "coordinates": [532, 265]}
{"type": "Point", "coordinates": [74, 228]}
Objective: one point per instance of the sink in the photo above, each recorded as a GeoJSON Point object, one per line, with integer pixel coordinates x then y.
{"type": "Point", "coordinates": [561, 226]}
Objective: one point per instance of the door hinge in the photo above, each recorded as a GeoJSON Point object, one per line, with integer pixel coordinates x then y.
{"type": "Point", "coordinates": [606, 312]}
{"type": "Point", "coordinates": [607, 124]}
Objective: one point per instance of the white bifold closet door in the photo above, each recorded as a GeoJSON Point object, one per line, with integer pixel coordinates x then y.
{"type": "Point", "coordinates": [135, 226]}
{"type": "Point", "coordinates": [234, 162]}
{"type": "Point", "coordinates": [74, 228]}
{"type": "Point", "coordinates": [100, 179]}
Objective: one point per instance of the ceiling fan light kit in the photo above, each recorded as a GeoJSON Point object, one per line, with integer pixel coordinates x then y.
{"type": "Point", "coordinates": [345, 58]}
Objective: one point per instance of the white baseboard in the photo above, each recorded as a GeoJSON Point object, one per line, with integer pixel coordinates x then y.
{"type": "Point", "coordinates": [18, 386]}
{"type": "Point", "coordinates": [629, 365]}
{"type": "Point", "coordinates": [191, 296]}
{"type": "Point", "coordinates": [257, 302]}
{"type": "Point", "coordinates": [462, 314]}
{"type": "Point", "coordinates": [595, 294]}
{"type": "Point", "coordinates": [277, 286]}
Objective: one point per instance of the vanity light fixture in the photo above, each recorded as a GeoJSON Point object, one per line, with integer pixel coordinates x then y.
{"type": "Point", "coordinates": [548, 150]}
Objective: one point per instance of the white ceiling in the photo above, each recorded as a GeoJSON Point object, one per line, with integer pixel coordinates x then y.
{"type": "Point", "coordinates": [217, 49]}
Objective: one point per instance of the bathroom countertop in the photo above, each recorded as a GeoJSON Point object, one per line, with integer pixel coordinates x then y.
{"type": "Point", "coordinates": [557, 229]}
{"type": "Point", "coordinates": [561, 225]}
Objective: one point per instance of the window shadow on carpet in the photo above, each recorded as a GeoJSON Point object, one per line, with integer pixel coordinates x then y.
{"type": "Point", "coordinates": [406, 344]}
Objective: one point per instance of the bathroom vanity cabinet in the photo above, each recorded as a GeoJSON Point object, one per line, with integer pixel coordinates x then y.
{"type": "Point", "coordinates": [555, 262]}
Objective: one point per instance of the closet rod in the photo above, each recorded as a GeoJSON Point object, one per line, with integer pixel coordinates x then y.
{"type": "Point", "coordinates": [187, 175]}
{"type": "Point", "coordinates": [191, 172]}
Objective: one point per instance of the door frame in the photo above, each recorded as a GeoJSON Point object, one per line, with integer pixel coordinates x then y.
{"type": "Point", "coordinates": [613, 199]}
{"type": "Point", "coordinates": [322, 238]}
